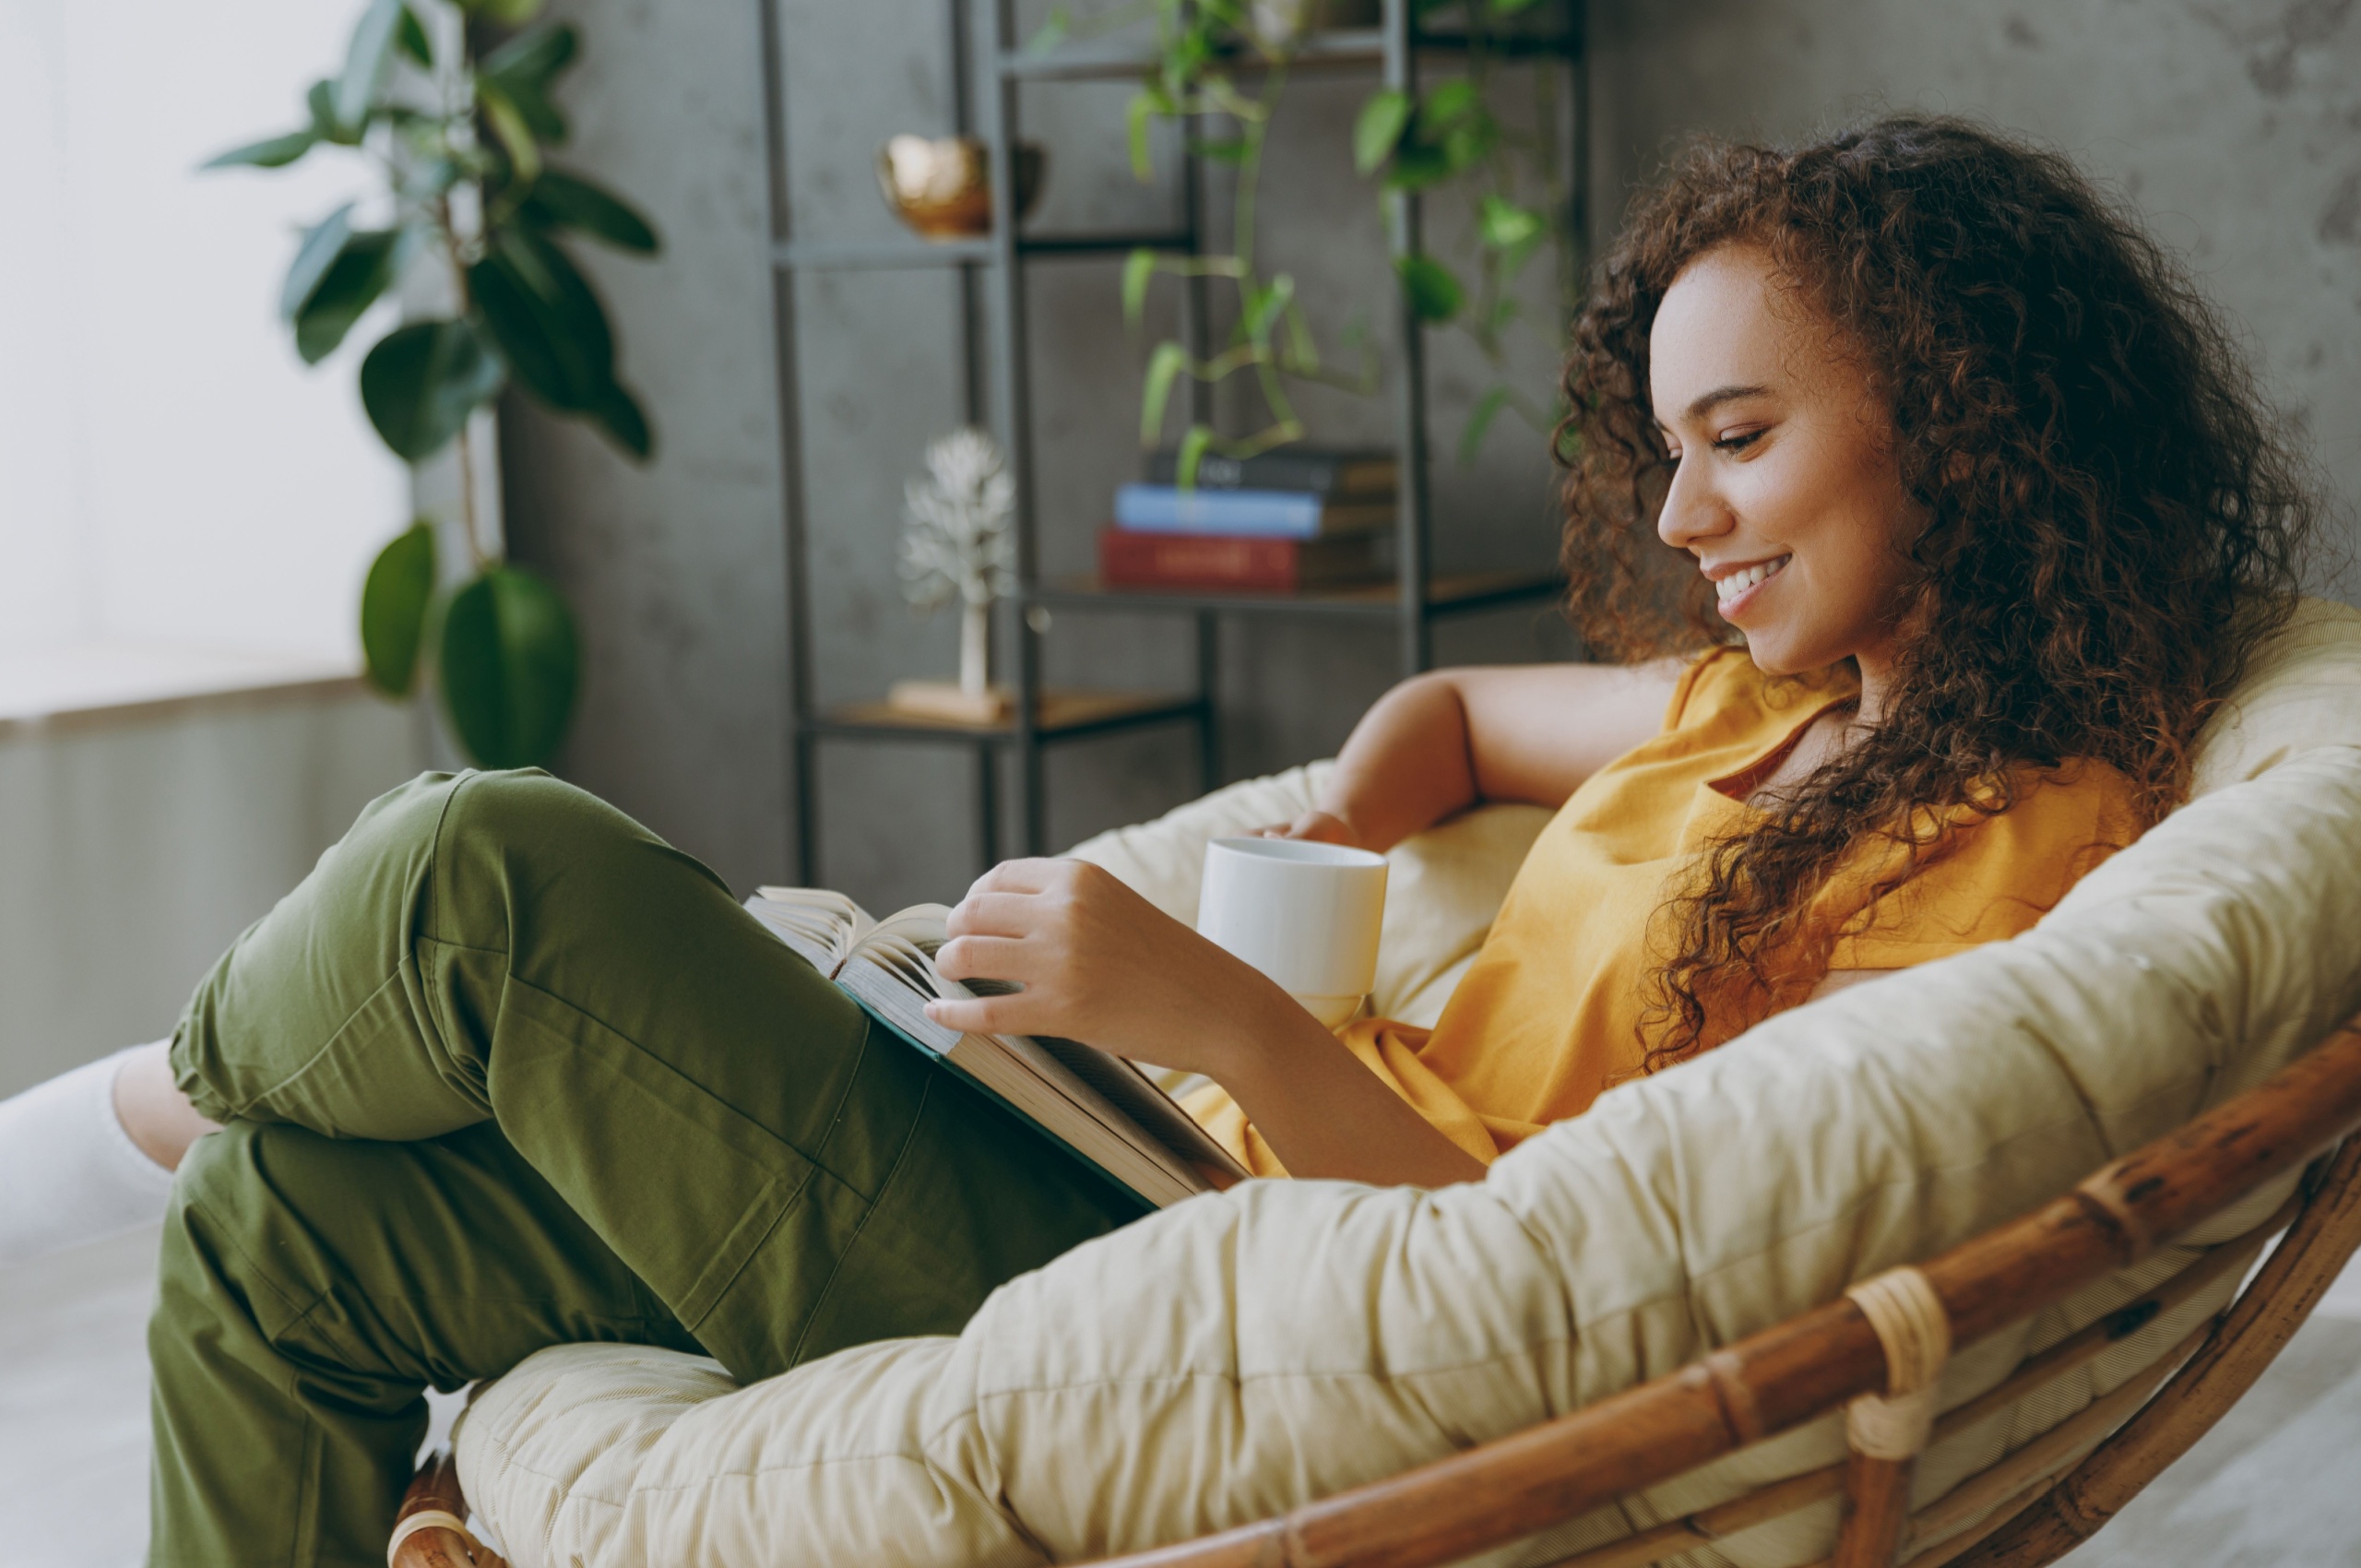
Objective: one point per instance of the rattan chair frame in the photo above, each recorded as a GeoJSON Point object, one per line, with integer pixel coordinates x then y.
{"type": "Point", "coordinates": [2029, 1508]}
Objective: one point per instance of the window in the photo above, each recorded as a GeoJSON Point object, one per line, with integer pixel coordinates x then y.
{"type": "Point", "coordinates": [171, 473]}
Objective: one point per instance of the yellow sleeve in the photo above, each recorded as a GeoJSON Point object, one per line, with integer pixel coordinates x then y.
{"type": "Point", "coordinates": [1994, 877]}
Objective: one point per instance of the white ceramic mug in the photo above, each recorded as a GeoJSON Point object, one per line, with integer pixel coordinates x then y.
{"type": "Point", "coordinates": [1304, 913]}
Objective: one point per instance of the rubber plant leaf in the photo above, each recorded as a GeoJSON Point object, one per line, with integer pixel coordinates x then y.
{"type": "Point", "coordinates": [409, 37]}
{"type": "Point", "coordinates": [507, 12]}
{"type": "Point", "coordinates": [366, 61]}
{"type": "Point", "coordinates": [509, 662]}
{"type": "Point", "coordinates": [361, 271]}
{"type": "Point", "coordinates": [510, 128]}
{"type": "Point", "coordinates": [547, 324]}
{"type": "Point", "coordinates": [272, 152]}
{"type": "Point", "coordinates": [423, 381]}
{"type": "Point", "coordinates": [394, 602]}
{"type": "Point", "coordinates": [560, 200]}
{"type": "Point", "coordinates": [531, 58]}
{"type": "Point", "coordinates": [321, 243]}
{"type": "Point", "coordinates": [321, 101]}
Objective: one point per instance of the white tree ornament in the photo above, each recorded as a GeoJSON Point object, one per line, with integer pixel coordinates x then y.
{"type": "Point", "coordinates": [957, 544]}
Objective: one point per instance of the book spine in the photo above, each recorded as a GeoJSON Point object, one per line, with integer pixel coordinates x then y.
{"type": "Point", "coordinates": [1329, 474]}
{"type": "Point", "coordinates": [1260, 514]}
{"type": "Point", "coordinates": [1175, 561]}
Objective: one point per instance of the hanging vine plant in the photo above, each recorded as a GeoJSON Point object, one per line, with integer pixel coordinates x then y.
{"type": "Point", "coordinates": [452, 103]}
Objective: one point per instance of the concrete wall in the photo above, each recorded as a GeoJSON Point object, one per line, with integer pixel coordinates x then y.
{"type": "Point", "coordinates": [679, 570]}
{"type": "Point", "coordinates": [2231, 125]}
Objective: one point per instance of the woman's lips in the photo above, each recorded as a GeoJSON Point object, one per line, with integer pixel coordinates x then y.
{"type": "Point", "coordinates": [1741, 587]}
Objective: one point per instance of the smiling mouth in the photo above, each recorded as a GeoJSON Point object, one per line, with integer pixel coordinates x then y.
{"type": "Point", "coordinates": [1728, 590]}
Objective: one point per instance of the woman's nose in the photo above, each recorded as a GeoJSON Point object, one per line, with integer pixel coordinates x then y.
{"type": "Point", "coordinates": [1692, 511]}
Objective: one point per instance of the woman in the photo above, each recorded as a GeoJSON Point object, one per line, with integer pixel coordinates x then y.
{"type": "Point", "coordinates": [1940, 437]}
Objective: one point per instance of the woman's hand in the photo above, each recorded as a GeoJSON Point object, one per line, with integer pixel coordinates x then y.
{"type": "Point", "coordinates": [1321, 826]}
{"type": "Point", "coordinates": [1102, 964]}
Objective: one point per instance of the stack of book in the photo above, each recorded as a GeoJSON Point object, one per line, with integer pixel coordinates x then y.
{"type": "Point", "coordinates": [1300, 517]}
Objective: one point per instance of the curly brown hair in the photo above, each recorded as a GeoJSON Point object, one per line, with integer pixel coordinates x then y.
{"type": "Point", "coordinates": [2107, 519]}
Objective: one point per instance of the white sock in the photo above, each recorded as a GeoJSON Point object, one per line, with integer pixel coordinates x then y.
{"type": "Point", "coordinates": [68, 1171]}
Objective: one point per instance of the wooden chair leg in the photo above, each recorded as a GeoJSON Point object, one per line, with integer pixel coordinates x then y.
{"type": "Point", "coordinates": [1877, 1509]}
{"type": "Point", "coordinates": [431, 1530]}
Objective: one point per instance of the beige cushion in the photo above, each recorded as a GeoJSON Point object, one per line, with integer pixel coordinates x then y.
{"type": "Point", "coordinates": [1248, 1351]}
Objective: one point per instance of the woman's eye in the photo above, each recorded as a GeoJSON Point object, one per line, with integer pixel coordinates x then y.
{"type": "Point", "coordinates": [1739, 442]}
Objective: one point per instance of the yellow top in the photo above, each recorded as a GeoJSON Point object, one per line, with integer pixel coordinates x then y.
{"type": "Point", "coordinates": [1548, 1015]}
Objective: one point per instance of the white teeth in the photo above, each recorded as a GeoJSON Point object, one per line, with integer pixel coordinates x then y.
{"type": "Point", "coordinates": [1745, 577]}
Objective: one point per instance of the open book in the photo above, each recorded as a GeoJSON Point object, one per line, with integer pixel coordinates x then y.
{"type": "Point", "coordinates": [1100, 1107]}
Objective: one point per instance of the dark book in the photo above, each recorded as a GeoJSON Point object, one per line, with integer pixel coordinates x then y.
{"type": "Point", "coordinates": [1100, 1108]}
{"type": "Point", "coordinates": [1316, 470]}
{"type": "Point", "coordinates": [1227, 561]}
{"type": "Point", "coordinates": [1260, 514]}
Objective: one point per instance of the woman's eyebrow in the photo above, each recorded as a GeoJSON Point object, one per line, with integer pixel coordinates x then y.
{"type": "Point", "coordinates": [1720, 395]}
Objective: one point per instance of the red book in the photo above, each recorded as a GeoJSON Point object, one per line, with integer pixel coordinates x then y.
{"type": "Point", "coordinates": [1231, 561]}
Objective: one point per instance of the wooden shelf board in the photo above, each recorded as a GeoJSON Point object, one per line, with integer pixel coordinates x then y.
{"type": "Point", "coordinates": [1060, 712]}
{"type": "Point", "coordinates": [1450, 591]}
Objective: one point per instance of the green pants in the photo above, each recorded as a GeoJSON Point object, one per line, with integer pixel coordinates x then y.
{"type": "Point", "coordinates": [506, 1071]}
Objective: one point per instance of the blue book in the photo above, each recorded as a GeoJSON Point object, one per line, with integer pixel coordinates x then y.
{"type": "Point", "coordinates": [1254, 514]}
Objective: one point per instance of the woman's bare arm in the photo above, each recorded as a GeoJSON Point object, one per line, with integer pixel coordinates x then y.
{"type": "Point", "coordinates": [1443, 742]}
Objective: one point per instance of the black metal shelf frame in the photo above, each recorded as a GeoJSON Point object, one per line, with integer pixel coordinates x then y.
{"type": "Point", "coordinates": [996, 390]}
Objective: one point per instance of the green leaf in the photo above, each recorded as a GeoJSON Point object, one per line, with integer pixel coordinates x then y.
{"type": "Point", "coordinates": [1136, 115]}
{"type": "Point", "coordinates": [626, 422]}
{"type": "Point", "coordinates": [1504, 225]}
{"type": "Point", "coordinates": [1448, 104]}
{"type": "Point", "coordinates": [273, 153]}
{"type": "Point", "coordinates": [510, 661]}
{"type": "Point", "coordinates": [1193, 452]}
{"type": "Point", "coordinates": [1509, 7]}
{"type": "Point", "coordinates": [361, 271]}
{"type": "Point", "coordinates": [531, 58]}
{"type": "Point", "coordinates": [1138, 268]}
{"type": "Point", "coordinates": [321, 101]}
{"type": "Point", "coordinates": [409, 37]}
{"type": "Point", "coordinates": [393, 609]}
{"type": "Point", "coordinates": [509, 127]}
{"type": "Point", "coordinates": [1435, 295]}
{"type": "Point", "coordinates": [423, 381]}
{"type": "Point", "coordinates": [547, 322]}
{"type": "Point", "coordinates": [1417, 166]}
{"type": "Point", "coordinates": [560, 200]}
{"type": "Point", "coordinates": [366, 61]}
{"type": "Point", "coordinates": [1264, 305]}
{"type": "Point", "coordinates": [1378, 129]}
{"type": "Point", "coordinates": [1052, 33]}
{"type": "Point", "coordinates": [507, 12]}
{"type": "Point", "coordinates": [1468, 142]}
{"type": "Point", "coordinates": [1231, 151]}
{"type": "Point", "coordinates": [1168, 361]}
{"type": "Point", "coordinates": [322, 244]}
{"type": "Point", "coordinates": [1479, 418]}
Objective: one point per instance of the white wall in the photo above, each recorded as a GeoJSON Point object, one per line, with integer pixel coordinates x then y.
{"type": "Point", "coordinates": [169, 468]}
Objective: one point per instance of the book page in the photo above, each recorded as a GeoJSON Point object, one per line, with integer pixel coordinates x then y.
{"type": "Point", "coordinates": [820, 924]}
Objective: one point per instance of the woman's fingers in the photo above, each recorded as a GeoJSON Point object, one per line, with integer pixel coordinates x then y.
{"type": "Point", "coordinates": [985, 958]}
{"type": "Point", "coordinates": [995, 914]}
{"type": "Point", "coordinates": [979, 1015]}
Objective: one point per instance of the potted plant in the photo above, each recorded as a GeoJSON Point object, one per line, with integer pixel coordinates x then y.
{"type": "Point", "coordinates": [451, 104]}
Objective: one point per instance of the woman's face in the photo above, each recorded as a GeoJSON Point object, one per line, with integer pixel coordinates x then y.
{"type": "Point", "coordinates": [1784, 486]}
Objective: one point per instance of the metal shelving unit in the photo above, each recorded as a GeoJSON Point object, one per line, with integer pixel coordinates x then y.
{"type": "Point", "coordinates": [996, 392]}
